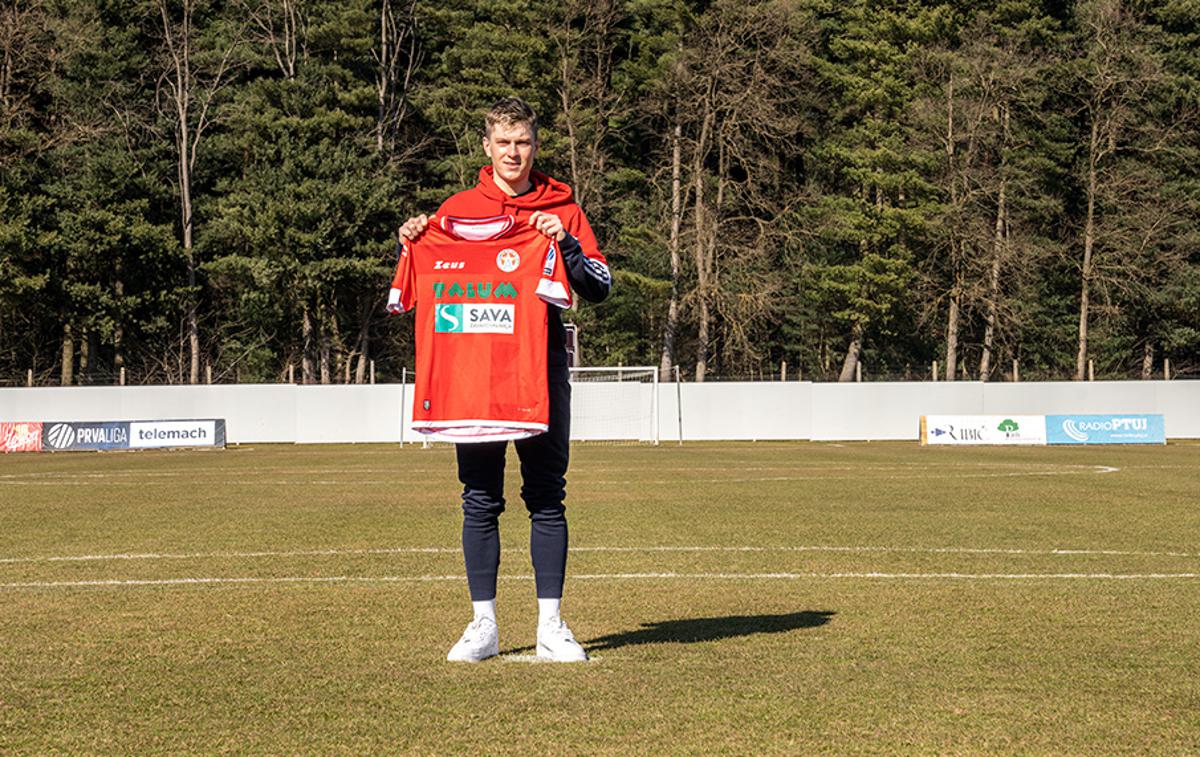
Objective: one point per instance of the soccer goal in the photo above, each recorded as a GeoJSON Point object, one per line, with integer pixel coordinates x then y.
{"type": "Point", "coordinates": [615, 404]}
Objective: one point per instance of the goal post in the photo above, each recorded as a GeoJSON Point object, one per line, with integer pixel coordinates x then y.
{"type": "Point", "coordinates": [618, 404]}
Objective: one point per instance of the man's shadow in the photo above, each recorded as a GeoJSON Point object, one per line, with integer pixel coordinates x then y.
{"type": "Point", "coordinates": [692, 630]}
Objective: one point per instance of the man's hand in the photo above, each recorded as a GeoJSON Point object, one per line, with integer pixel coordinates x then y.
{"type": "Point", "coordinates": [549, 224]}
{"type": "Point", "coordinates": [413, 228]}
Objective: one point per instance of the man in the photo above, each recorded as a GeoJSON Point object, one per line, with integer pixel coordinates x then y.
{"type": "Point", "coordinates": [510, 186]}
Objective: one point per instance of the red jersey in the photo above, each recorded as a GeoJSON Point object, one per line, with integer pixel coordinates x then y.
{"type": "Point", "coordinates": [481, 288]}
{"type": "Point", "coordinates": [588, 272]}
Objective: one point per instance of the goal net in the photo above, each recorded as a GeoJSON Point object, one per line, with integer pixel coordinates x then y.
{"type": "Point", "coordinates": [615, 404]}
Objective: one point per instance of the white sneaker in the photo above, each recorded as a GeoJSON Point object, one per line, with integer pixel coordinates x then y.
{"type": "Point", "coordinates": [556, 643]}
{"type": "Point", "coordinates": [480, 641]}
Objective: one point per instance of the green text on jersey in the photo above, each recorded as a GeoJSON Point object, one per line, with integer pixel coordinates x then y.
{"type": "Point", "coordinates": [472, 290]}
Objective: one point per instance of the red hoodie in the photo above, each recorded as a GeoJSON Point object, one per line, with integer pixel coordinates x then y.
{"type": "Point", "coordinates": [486, 199]}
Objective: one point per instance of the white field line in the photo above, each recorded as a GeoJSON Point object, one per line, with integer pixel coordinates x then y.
{"type": "Point", "coordinates": [878, 574]}
{"type": "Point", "coordinates": [234, 555]}
{"type": "Point", "coordinates": [896, 470]}
{"type": "Point", "coordinates": [1095, 469]}
{"type": "Point", "coordinates": [350, 471]}
{"type": "Point", "coordinates": [190, 473]}
{"type": "Point", "coordinates": [334, 552]}
{"type": "Point", "coordinates": [1098, 469]}
{"type": "Point", "coordinates": [533, 659]}
{"type": "Point", "coordinates": [302, 580]}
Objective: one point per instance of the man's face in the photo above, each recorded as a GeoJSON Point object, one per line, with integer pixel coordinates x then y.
{"type": "Point", "coordinates": [511, 148]}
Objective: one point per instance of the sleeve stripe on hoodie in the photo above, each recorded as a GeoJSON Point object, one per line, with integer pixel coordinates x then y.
{"type": "Point", "coordinates": [598, 270]}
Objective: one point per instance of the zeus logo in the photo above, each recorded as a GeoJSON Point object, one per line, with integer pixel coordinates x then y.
{"type": "Point", "coordinates": [448, 265]}
{"type": "Point", "coordinates": [464, 318]}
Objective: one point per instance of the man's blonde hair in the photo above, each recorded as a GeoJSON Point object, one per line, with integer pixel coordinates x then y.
{"type": "Point", "coordinates": [511, 111]}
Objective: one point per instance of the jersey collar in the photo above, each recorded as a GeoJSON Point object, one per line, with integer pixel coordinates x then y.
{"type": "Point", "coordinates": [477, 229]}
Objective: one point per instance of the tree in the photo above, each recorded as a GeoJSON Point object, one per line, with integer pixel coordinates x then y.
{"type": "Point", "coordinates": [298, 234]}
{"type": "Point", "coordinates": [397, 59]}
{"type": "Point", "coordinates": [199, 63]}
{"type": "Point", "coordinates": [735, 116]}
{"type": "Point", "coordinates": [873, 183]}
{"type": "Point", "coordinates": [986, 72]}
{"type": "Point", "coordinates": [1117, 75]}
{"type": "Point", "coordinates": [873, 199]}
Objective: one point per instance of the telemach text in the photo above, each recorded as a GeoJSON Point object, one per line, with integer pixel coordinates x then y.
{"type": "Point", "coordinates": [159, 434]}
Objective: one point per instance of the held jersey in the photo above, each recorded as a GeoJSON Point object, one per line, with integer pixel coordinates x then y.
{"type": "Point", "coordinates": [481, 288]}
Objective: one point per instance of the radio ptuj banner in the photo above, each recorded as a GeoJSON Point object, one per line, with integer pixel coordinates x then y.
{"type": "Point", "coordinates": [1106, 429]}
{"type": "Point", "coordinates": [983, 429]}
{"type": "Point", "coordinates": [64, 436]}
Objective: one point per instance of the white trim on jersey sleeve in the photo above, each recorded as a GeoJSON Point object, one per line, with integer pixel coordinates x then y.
{"type": "Point", "coordinates": [554, 293]}
{"type": "Point", "coordinates": [393, 303]}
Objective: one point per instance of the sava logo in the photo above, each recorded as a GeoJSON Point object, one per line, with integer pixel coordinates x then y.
{"type": "Point", "coordinates": [474, 319]}
{"type": "Point", "coordinates": [448, 265]}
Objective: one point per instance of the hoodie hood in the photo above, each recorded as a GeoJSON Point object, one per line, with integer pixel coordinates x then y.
{"type": "Point", "coordinates": [545, 193]}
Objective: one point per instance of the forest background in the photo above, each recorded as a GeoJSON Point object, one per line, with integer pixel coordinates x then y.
{"type": "Point", "coordinates": [211, 187]}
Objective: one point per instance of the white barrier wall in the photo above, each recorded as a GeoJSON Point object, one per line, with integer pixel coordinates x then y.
{"type": "Point", "coordinates": [890, 410]}
{"type": "Point", "coordinates": [741, 410]}
{"type": "Point", "coordinates": [763, 410]}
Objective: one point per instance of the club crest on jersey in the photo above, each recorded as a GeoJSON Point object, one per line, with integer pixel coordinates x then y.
{"type": "Point", "coordinates": [467, 318]}
{"type": "Point", "coordinates": [508, 260]}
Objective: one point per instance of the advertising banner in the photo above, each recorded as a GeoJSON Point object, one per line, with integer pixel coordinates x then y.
{"type": "Point", "coordinates": [983, 429]}
{"type": "Point", "coordinates": [1106, 429]}
{"type": "Point", "coordinates": [201, 433]}
{"type": "Point", "coordinates": [68, 436]}
{"type": "Point", "coordinates": [64, 436]}
{"type": "Point", "coordinates": [20, 437]}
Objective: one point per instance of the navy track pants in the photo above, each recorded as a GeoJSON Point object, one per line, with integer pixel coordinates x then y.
{"type": "Point", "coordinates": [543, 487]}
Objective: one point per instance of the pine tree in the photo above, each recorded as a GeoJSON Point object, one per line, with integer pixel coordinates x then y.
{"type": "Point", "coordinates": [872, 198]}
{"type": "Point", "coordinates": [298, 243]}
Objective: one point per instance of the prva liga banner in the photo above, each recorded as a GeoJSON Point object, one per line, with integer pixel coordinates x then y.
{"type": "Point", "coordinates": [66, 436]}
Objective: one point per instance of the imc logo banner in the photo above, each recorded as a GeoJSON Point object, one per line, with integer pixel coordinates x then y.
{"type": "Point", "coordinates": [1106, 429]}
{"type": "Point", "coordinates": [466, 318]}
{"type": "Point", "coordinates": [983, 429]}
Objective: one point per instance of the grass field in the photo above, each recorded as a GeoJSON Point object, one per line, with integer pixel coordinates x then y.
{"type": "Point", "coordinates": [736, 598]}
